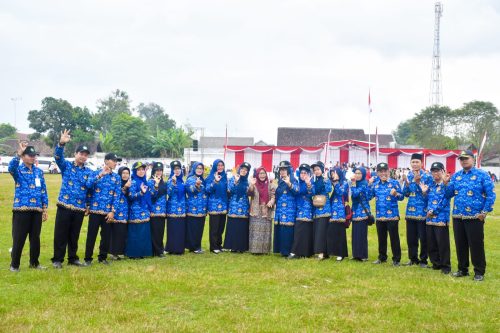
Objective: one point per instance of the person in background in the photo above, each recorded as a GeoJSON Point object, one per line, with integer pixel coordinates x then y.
{"type": "Point", "coordinates": [196, 208]}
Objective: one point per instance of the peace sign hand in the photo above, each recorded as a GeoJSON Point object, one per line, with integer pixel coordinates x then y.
{"type": "Point", "coordinates": [22, 147]}
{"type": "Point", "coordinates": [65, 137]}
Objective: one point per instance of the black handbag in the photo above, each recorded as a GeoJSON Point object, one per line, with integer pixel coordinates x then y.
{"type": "Point", "coordinates": [371, 218]}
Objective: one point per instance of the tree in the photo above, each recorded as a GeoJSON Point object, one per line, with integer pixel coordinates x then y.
{"type": "Point", "coordinates": [130, 137]}
{"type": "Point", "coordinates": [57, 115]}
{"type": "Point", "coordinates": [107, 109]}
{"type": "Point", "coordinates": [7, 131]}
{"type": "Point", "coordinates": [171, 143]}
{"type": "Point", "coordinates": [155, 117]}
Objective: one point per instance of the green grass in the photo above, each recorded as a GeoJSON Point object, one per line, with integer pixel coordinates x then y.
{"type": "Point", "coordinates": [241, 292]}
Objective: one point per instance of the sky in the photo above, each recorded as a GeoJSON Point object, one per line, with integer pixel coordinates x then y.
{"type": "Point", "coordinates": [253, 65]}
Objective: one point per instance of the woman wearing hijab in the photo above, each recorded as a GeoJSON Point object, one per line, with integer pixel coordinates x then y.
{"type": "Point", "coordinates": [336, 236]}
{"type": "Point", "coordinates": [236, 239]}
{"type": "Point", "coordinates": [262, 194]}
{"type": "Point", "coordinates": [217, 204]}
{"type": "Point", "coordinates": [303, 240]}
{"type": "Point", "coordinates": [176, 210]}
{"type": "Point", "coordinates": [321, 214]}
{"type": "Point", "coordinates": [139, 231]}
{"type": "Point", "coordinates": [361, 195]}
{"type": "Point", "coordinates": [159, 211]}
{"type": "Point", "coordinates": [119, 224]}
{"type": "Point", "coordinates": [196, 208]}
{"type": "Point", "coordinates": [284, 217]}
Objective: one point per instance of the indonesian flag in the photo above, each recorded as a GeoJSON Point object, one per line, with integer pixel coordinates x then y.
{"type": "Point", "coordinates": [480, 153]}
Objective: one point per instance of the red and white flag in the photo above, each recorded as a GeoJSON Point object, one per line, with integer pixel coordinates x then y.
{"type": "Point", "coordinates": [369, 102]}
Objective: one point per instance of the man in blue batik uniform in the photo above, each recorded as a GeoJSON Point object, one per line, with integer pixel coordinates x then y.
{"type": "Point", "coordinates": [30, 206]}
{"type": "Point", "coordinates": [474, 194]}
{"type": "Point", "coordinates": [72, 202]}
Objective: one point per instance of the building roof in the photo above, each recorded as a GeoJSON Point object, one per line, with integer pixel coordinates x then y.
{"type": "Point", "coordinates": [40, 146]}
{"type": "Point", "coordinates": [303, 136]}
{"type": "Point", "coordinates": [219, 142]}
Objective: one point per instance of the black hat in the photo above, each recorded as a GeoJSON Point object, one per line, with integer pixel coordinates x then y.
{"type": "Point", "coordinates": [174, 164]}
{"type": "Point", "coordinates": [156, 166]}
{"type": "Point", "coordinates": [416, 156]}
{"type": "Point", "coordinates": [112, 157]}
{"type": "Point", "coordinates": [138, 165]}
{"type": "Point", "coordinates": [284, 164]}
{"type": "Point", "coordinates": [319, 164]}
{"type": "Point", "coordinates": [30, 150]}
{"type": "Point", "coordinates": [82, 148]}
{"type": "Point", "coordinates": [246, 165]}
{"type": "Point", "coordinates": [305, 166]}
{"type": "Point", "coordinates": [466, 153]}
{"type": "Point", "coordinates": [382, 166]}
{"type": "Point", "coordinates": [437, 166]}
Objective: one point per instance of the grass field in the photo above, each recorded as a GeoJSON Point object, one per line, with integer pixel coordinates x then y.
{"type": "Point", "coordinates": [241, 292]}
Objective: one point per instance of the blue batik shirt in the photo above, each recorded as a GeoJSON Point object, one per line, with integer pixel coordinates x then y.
{"type": "Point", "coordinates": [286, 208]}
{"type": "Point", "coordinates": [104, 194]}
{"type": "Point", "coordinates": [439, 204]}
{"type": "Point", "coordinates": [76, 181]}
{"type": "Point", "coordinates": [176, 203]}
{"type": "Point", "coordinates": [196, 198]}
{"type": "Point", "coordinates": [31, 191]}
{"type": "Point", "coordinates": [337, 203]}
{"type": "Point", "coordinates": [326, 188]}
{"type": "Point", "coordinates": [304, 203]}
{"type": "Point", "coordinates": [386, 204]}
{"type": "Point", "coordinates": [474, 193]}
{"type": "Point", "coordinates": [158, 198]}
{"type": "Point", "coordinates": [239, 204]}
{"type": "Point", "coordinates": [416, 209]}
{"type": "Point", "coordinates": [361, 196]}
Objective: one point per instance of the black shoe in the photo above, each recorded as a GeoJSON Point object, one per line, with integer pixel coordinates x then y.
{"type": "Point", "coordinates": [292, 256]}
{"type": "Point", "coordinates": [445, 271]}
{"type": "Point", "coordinates": [436, 268]}
{"type": "Point", "coordinates": [77, 263]}
{"type": "Point", "coordinates": [460, 274]}
{"type": "Point", "coordinates": [423, 265]}
{"type": "Point", "coordinates": [57, 265]}
{"type": "Point", "coordinates": [410, 263]}
{"type": "Point", "coordinates": [104, 262]}
{"type": "Point", "coordinates": [38, 267]}
{"type": "Point", "coordinates": [14, 270]}
{"type": "Point", "coordinates": [161, 255]}
{"type": "Point", "coordinates": [87, 263]}
{"type": "Point", "coordinates": [396, 264]}
{"type": "Point", "coordinates": [378, 262]}
{"type": "Point", "coordinates": [478, 278]}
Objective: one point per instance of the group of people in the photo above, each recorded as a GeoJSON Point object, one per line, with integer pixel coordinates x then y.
{"type": "Point", "coordinates": [312, 208]}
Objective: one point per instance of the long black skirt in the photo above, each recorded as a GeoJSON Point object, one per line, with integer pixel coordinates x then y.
{"type": "Point", "coordinates": [118, 238]}
{"type": "Point", "coordinates": [337, 240]}
{"type": "Point", "coordinates": [194, 232]}
{"type": "Point", "coordinates": [176, 234]}
{"type": "Point", "coordinates": [237, 232]}
{"type": "Point", "coordinates": [303, 240]}
{"type": "Point", "coordinates": [320, 226]}
{"type": "Point", "coordinates": [359, 239]}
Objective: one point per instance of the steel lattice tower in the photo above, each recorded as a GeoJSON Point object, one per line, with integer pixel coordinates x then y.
{"type": "Point", "coordinates": [436, 92]}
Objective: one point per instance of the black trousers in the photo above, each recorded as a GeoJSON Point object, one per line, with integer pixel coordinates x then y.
{"type": "Point", "coordinates": [217, 223]}
{"type": "Point", "coordinates": [391, 228]}
{"type": "Point", "coordinates": [118, 238]}
{"type": "Point", "coordinates": [415, 232]}
{"type": "Point", "coordinates": [469, 236]}
{"type": "Point", "coordinates": [157, 224]}
{"type": "Point", "coordinates": [96, 221]}
{"type": "Point", "coordinates": [24, 224]}
{"type": "Point", "coordinates": [438, 242]}
{"type": "Point", "coordinates": [66, 233]}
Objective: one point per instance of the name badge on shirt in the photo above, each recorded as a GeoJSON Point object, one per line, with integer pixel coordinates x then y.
{"type": "Point", "coordinates": [38, 183]}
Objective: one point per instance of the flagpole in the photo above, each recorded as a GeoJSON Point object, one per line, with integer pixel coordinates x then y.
{"type": "Point", "coordinates": [225, 146]}
{"type": "Point", "coordinates": [369, 128]}
{"type": "Point", "coordinates": [327, 146]}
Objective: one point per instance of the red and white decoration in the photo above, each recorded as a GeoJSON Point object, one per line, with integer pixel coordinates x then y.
{"type": "Point", "coordinates": [350, 151]}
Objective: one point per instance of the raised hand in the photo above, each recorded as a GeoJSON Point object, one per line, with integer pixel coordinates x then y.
{"type": "Point", "coordinates": [446, 179]}
{"type": "Point", "coordinates": [144, 188]}
{"type": "Point", "coordinates": [371, 180]}
{"type": "Point", "coordinates": [127, 184]}
{"type": "Point", "coordinates": [22, 147]}
{"type": "Point", "coordinates": [286, 179]}
{"type": "Point", "coordinates": [405, 178]}
{"type": "Point", "coordinates": [217, 177]}
{"type": "Point", "coordinates": [174, 179]}
{"type": "Point", "coordinates": [394, 192]}
{"type": "Point", "coordinates": [424, 187]}
{"type": "Point", "coordinates": [253, 181]}
{"type": "Point", "coordinates": [157, 180]}
{"type": "Point", "coordinates": [198, 182]}
{"type": "Point", "coordinates": [236, 178]}
{"type": "Point", "coordinates": [417, 177]}
{"type": "Point", "coordinates": [308, 180]}
{"type": "Point", "coordinates": [65, 137]}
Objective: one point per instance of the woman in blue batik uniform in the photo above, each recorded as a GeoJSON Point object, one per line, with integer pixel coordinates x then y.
{"type": "Point", "coordinates": [321, 215]}
{"type": "Point", "coordinates": [139, 232]}
{"type": "Point", "coordinates": [119, 223]}
{"type": "Point", "coordinates": [176, 210]}
{"type": "Point", "coordinates": [217, 204]}
{"type": "Point", "coordinates": [284, 217]}
{"type": "Point", "coordinates": [336, 237]}
{"type": "Point", "coordinates": [361, 195]}
{"type": "Point", "coordinates": [159, 211]}
{"type": "Point", "coordinates": [236, 239]}
{"type": "Point", "coordinates": [303, 238]}
{"type": "Point", "coordinates": [196, 208]}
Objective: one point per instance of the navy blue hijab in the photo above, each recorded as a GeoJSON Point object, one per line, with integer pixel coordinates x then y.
{"type": "Point", "coordinates": [180, 184]}
{"type": "Point", "coordinates": [192, 172]}
{"type": "Point", "coordinates": [242, 186]}
{"type": "Point", "coordinates": [221, 189]}
{"type": "Point", "coordinates": [146, 197]}
{"type": "Point", "coordinates": [282, 186]}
